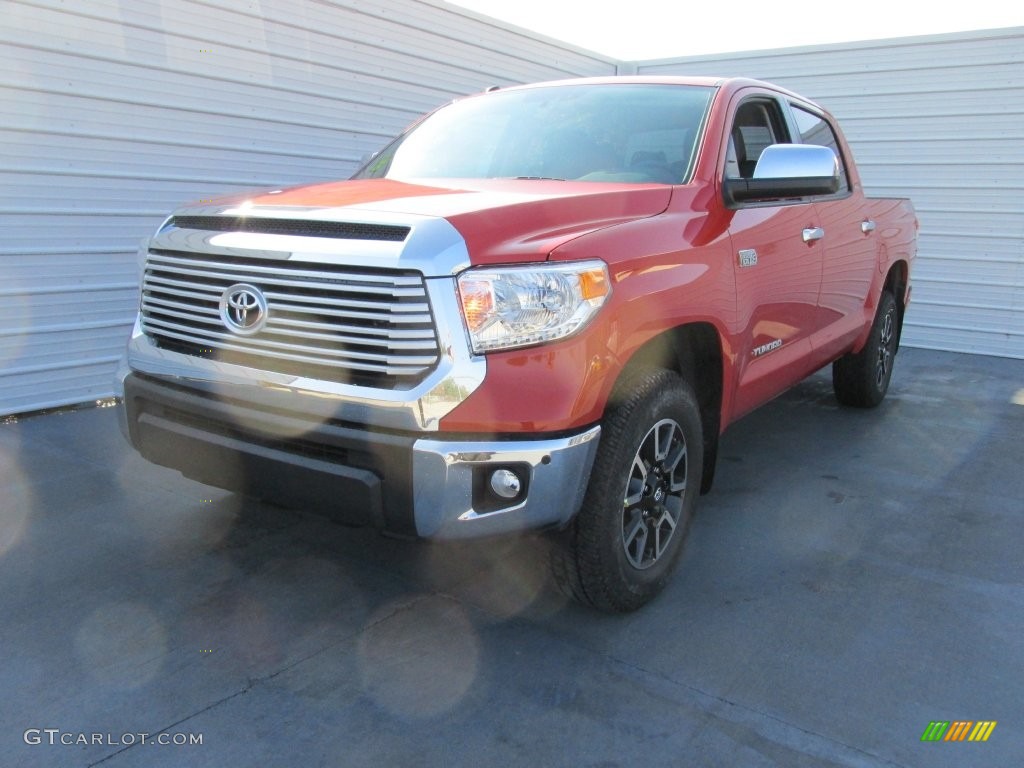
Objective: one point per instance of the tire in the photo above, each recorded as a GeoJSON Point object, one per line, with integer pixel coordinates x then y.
{"type": "Point", "coordinates": [623, 545]}
{"type": "Point", "coordinates": [861, 380]}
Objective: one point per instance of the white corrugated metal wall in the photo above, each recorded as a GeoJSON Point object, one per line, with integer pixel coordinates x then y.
{"type": "Point", "coordinates": [116, 111]}
{"type": "Point", "coordinates": [939, 119]}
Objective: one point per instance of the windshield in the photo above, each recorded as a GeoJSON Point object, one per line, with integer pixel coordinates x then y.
{"type": "Point", "coordinates": [625, 133]}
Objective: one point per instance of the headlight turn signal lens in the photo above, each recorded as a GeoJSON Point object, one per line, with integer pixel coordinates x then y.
{"type": "Point", "coordinates": [508, 307]}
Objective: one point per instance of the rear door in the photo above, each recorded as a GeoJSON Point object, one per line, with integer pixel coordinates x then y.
{"type": "Point", "coordinates": [850, 249]}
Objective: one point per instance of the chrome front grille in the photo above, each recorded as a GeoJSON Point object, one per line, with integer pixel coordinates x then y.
{"type": "Point", "coordinates": [365, 326]}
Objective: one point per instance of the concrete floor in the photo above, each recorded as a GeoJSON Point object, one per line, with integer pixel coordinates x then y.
{"type": "Point", "coordinates": [852, 577]}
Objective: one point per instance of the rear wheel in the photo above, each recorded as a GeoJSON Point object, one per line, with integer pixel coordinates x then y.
{"type": "Point", "coordinates": [624, 544]}
{"type": "Point", "coordinates": [861, 380]}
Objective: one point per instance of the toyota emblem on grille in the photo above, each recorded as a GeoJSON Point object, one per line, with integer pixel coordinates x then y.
{"type": "Point", "coordinates": [243, 309]}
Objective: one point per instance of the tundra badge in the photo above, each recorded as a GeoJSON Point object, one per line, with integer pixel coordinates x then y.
{"type": "Point", "coordinates": [764, 349]}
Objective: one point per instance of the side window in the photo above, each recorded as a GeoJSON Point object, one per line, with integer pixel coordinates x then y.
{"type": "Point", "coordinates": [758, 123]}
{"type": "Point", "coordinates": [815, 130]}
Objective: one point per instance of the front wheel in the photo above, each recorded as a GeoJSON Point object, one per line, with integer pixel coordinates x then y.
{"type": "Point", "coordinates": [861, 380]}
{"type": "Point", "coordinates": [624, 544]}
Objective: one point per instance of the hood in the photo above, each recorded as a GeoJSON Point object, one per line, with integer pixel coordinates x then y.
{"type": "Point", "coordinates": [501, 220]}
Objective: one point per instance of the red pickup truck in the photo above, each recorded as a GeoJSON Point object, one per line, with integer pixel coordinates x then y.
{"type": "Point", "coordinates": [536, 309]}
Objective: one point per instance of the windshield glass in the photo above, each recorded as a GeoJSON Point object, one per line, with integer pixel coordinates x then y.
{"type": "Point", "coordinates": [626, 133]}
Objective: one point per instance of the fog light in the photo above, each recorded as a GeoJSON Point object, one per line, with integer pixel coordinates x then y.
{"type": "Point", "coordinates": [505, 483]}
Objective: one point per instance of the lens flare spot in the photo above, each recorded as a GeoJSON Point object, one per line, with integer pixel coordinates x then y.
{"type": "Point", "coordinates": [283, 428]}
{"type": "Point", "coordinates": [121, 644]}
{"type": "Point", "coordinates": [419, 659]}
{"type": "Point", "coordinates": [504, 577]}
{"type": "Point", "coordinates": [16, 503]}
{"type": "Point", "coordinates": [15, 314]}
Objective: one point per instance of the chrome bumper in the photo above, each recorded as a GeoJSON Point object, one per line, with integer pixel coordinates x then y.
{"type": "Point", "coordinates": [406, 483]}
{"type": "Point", "coordinates": [452, 499]}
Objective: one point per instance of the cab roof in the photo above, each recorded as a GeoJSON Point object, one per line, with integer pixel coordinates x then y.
{"type": "Point", "coordinates": [730, 84]}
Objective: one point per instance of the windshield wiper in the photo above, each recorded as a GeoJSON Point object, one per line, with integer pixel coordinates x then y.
{"type": "Point", "coordinates": [538, 178]}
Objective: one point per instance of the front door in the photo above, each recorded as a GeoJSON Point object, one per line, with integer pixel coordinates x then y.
{"type": "Point", "coordinates": [778, 259]}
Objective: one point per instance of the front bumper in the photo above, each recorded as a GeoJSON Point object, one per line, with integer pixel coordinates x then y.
{"type": "Point", "coordinates": [401, 482]}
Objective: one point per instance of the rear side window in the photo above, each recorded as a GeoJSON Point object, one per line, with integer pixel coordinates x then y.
{"type": "Point", "coordinates": [815, 130]}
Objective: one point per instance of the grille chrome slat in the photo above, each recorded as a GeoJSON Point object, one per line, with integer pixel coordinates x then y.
{"type": "Point", "coordinates": [174, 262]}
{"type": "Point", "coordinates": [324, 283]}
{"type": "Point", "coordinates": [416, 339]}
{"type": "Point", "coordinates": [316, 353]}
{"type": "Point", "coordinates": [213, 292]}
{"type": "Point", "coordinates": [371, 327]}
{"type": "Point", "coordinates": [181, 306]}
{"type": "Point", "coordinates": [361, 341]}
{"type": "Point", "coordinates": [333, 301]}
{"type": "Point", "coordinates": [204, 319]}
{"type": "Point", "coordinates": [405, 343]}
{"type": "Point", "coordinates": [426, 334]}
{"type": "Point", "coordinates": [372, 317]}
{"type": "Point", "coordinates": [381, 369]}
{"type": "Point", "coordinates": [166, 291]}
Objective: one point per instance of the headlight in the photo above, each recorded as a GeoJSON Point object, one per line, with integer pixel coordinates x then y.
{"type": "Point", "coordinates": [508, 307]}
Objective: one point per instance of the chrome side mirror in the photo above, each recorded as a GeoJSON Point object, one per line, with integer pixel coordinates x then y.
{"type": "Point", "coordinates": [786, 171]}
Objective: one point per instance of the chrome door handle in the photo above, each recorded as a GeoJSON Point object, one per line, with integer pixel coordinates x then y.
{"type": "Point", "coordinates": [867, 226]}
{"type": "Point", "coordinates": [815, 233]}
